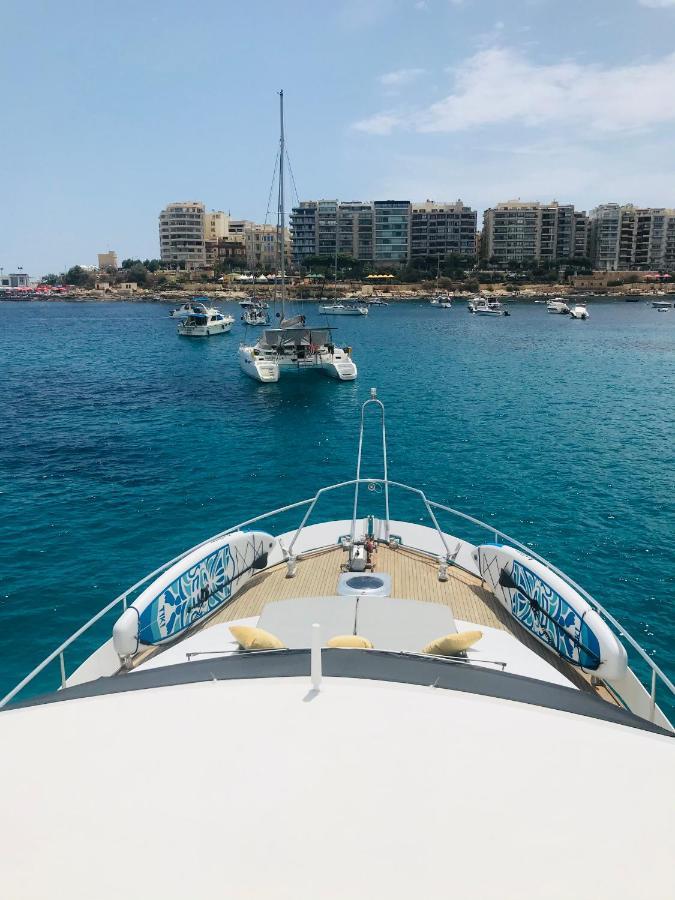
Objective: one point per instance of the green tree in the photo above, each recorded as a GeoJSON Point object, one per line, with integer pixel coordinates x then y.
{"type": "Point", "coordinates": [78, 277]}
{"type": "Point", "coordinates": [51, 279]}
{"type": "Point", "coordinates": [137, 272]}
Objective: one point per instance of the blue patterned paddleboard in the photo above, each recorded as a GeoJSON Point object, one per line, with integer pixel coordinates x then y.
{"type": "Point", "coordinates": [551, 610]}
{"type": "Point", "coordinates": [198, 584]}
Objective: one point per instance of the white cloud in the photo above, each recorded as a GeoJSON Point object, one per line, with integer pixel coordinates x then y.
{"type": "Point", "coordinates": [657, 4]}
{"type": "Point", "coordinates": [500, 86]}
{"type": "Point", "coordinates": [382, 123]}
{"type": "Point", "coordinates": [400, 77]}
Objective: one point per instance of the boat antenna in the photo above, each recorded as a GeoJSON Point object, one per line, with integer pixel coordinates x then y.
{"type": "Point", "coordinates": [281, 211]}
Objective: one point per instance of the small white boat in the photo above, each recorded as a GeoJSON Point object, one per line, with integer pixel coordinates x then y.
{"type": "Point", "coordinates": [579, 311]}
{"type": "Point", "coordinates": [344, 309]}
{"type": "Point", "coordinates": [376, 301]}
{"type": "Point", "coordinates": [661, 305]}
{"type": "Point", "coordinates": [558, 305]}
{"type": "Point", "coordinates": [205, 323]}
{"type": "Point", "coordinates": [190, 308]}
{"type": "Point", "coordinates": [255, 315]}
{"type": "Point", "coordinates": [247, 304]}
{"type": "Point", "coordinates": [480, 306]}
{"type": "Point", "coordinates": [441, 301]}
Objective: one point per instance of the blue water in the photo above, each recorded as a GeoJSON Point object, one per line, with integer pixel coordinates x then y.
{"type": "Point", "coordinates": [122, 444]}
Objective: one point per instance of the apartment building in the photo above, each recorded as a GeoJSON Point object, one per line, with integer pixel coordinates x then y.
{"type": "Point", "coordinates": [355, 230]}
{"type": "Point", "coordinates": [391, 225]}
{"type": "Point", "coordinates": [181, 234]}
{"type": "Point", "coordinates": [439, 229]}
{"type": "Point", "coordinates": [516, 231]}
{"type": "Point", "coordinates": [263, 247]}
{"type": "Point", "coordinates": [581, 236]}
{"type": "Point", "coordinates": [629, 237]}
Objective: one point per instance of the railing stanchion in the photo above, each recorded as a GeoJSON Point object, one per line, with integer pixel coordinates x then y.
{"type": "Point", "coordinates": [62, 663]}
{"type": "Point", "coordinates": [652, 708]}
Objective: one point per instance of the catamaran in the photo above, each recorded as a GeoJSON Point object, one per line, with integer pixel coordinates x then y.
{"type": "Point", "coordinates": [294, 346]}
{"type": "Point", "coordinates": [329, 708]}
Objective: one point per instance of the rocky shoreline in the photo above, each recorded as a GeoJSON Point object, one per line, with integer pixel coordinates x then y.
{"type": "Point", "coordinates": [391, 294]}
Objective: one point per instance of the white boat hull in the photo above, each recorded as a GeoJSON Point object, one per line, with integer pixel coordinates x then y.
{"type": "Point", "coordinates": [204, 330]}
{"type": "Point", "coordinates": [268, 367]}
{"type": "Point", "coordinates": [344, 311]}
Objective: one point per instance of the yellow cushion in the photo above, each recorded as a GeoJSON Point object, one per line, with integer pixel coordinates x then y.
{"type": "Point", "coordinates": [255, 638]}
{"type": "Point", "coordinates": [350, 641]}
{"type": "Point", "coordinates": [452, 644]}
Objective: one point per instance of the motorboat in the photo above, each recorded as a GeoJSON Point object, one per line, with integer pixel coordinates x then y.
{"type": "Point", "coordinates": [481, 306]}
{"type": "Point", "coordinates": [376, 301]}
{"type": "Point", "coordinates": [295, 346]}
{"type": "Point", "coordinates": [558, 305]}
{"type": "Point", "coordinates": [255, 315]}
{"type": "Point", "coordinates": [441, 301]}
{"type": "Point", "coordinates": [205, 323]}
{"type": "Point", "coordinates": [191, 308]}
{"type": "Point", "coordinates": [344, 309]}
{"type": "Point", "coordinates": [662, 304]}
{"type": "Point", "coordinates": [301, 690]}
{"type": "Point", "coordinates": [248, 303]}
{"type": "Point", "coordinates": [579, 311]}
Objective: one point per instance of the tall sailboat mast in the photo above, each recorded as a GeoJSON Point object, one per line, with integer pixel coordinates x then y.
{"type": "Point", "coordinates": [281, 210]}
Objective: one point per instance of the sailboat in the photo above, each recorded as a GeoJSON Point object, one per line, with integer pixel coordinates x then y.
{"type": "Point", "coordinates": [440, 300]}
{"type": "Point", "coordinates": [352, 307]}
{"type": "Point", "coordinates": [294, 346]}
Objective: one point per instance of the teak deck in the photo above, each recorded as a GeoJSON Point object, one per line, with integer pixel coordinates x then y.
{"type": "Point", "coordinates": [413, 575]}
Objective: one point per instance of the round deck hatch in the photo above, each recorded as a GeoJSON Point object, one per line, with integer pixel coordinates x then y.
{"type": "Point", "coordinates": [365, 583]}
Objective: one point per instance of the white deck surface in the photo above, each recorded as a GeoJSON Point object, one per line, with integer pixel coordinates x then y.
{"type": "Point", "coordinates": [260, 789]}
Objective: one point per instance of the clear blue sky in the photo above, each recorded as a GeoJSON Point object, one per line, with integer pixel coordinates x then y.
{"type": "Point", "coordinates": [109, 111]}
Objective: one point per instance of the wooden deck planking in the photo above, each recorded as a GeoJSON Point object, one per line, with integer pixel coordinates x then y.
{"type": "Point", "coordinates": [413, 576]}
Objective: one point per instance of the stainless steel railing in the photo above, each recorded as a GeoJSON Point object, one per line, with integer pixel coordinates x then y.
{"type": "Point", "coordinates": [656, 674]}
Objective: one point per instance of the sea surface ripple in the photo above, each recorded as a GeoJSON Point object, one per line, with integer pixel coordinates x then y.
{"type": "Point", "coordinates": [122, 444]}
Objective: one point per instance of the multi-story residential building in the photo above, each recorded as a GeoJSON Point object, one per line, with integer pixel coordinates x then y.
{"type": "Point", "coordinates": [439, 229]}
{"type": "Point", "coordinates": [107, 260]}
{"type": "Point", "coordinates": [391, 222]}
{"type": "Point", "coordinates": [355, 230]}
{"type": "Point", "coordinates": [581, 236]}
{"type": "Point", "coordinates": [263, 247]}
{"type": "Point", "coordinates": [216, 225]}
{"type": "Point", "coordinates": [605, 224]}
{"type": "Point", "coordinates": [510, 231]}
{"type": "Point", "coordinates": [516, 232]}
{"type": "Point", "coordinates": [669, 243]}
{"type": "Point", "coordinates": [629, 237]}
{"type": "Point", "coordinates": [181, 234]}
{"type": "Point", "coordinates": [304, 222]}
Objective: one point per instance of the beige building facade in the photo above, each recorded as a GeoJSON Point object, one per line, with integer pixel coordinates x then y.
{"type": "Point", "coordinates": [107, 260]}
{"type": "Point", "coordinates": [517, 231]}
{"type": "Point", "coordinates": [181, 234]}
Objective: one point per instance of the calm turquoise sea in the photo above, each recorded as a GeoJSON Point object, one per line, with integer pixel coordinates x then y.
{"type": "Point", "coordinates": [122, 444]}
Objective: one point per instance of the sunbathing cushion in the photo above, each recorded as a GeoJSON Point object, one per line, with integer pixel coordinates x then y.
{"type": "Point", "coordinates": [350, 641]}
{"type": "Point", "coordinates": [255, 638]}
{"type": "Point", "coordinates": [399, 625]}
{"type": "Point", "coordinates": [292, 619]}
{"type": "Point", "coordinates": [452, 644]}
